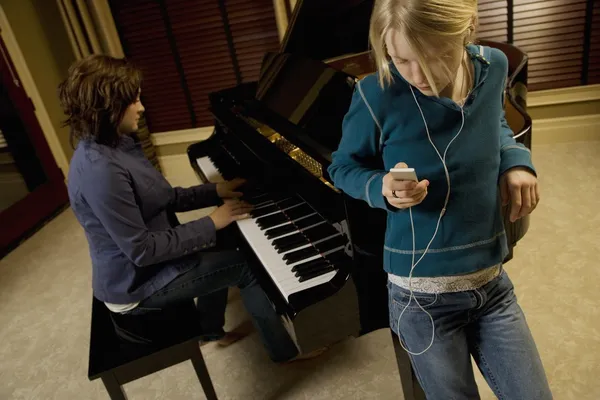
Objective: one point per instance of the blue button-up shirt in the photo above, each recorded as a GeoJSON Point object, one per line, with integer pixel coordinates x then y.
{"type": "Point", "coordinates": [122, 203]}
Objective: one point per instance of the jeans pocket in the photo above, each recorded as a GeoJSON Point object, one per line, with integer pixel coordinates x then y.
{"type": "Point", "coordinates": [401, 297]}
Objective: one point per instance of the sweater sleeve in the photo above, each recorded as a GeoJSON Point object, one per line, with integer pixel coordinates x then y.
{"type": "Point", "coordinates": [512, 154]}
{"type": "Point", "coordinates": [193, 198]}
{"type": "Point", "coordinates": [110, 196]}
{"type": "Point", "coordinates": [354, 165]}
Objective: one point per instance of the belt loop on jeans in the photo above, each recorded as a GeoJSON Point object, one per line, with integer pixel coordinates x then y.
{"type": "Point", "coordinates": [481, 297]}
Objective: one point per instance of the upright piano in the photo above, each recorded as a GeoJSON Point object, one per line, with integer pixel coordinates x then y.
{"type": "Point", "coordinates": [317, 252]}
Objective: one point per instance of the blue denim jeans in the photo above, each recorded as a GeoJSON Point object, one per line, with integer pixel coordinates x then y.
{"type": "Point", "coordinates": [208, 281]}
{"type": "Point", "coordinates": [487, 324]}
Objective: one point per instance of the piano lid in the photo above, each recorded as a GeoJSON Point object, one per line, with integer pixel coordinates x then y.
{"type": "Point", "coordinates": [326, 29]}
{"type": "Point", "coordinates": [309, 95]}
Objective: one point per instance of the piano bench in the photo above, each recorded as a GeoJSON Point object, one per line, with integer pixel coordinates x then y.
{"type": "Point", "coordinates": [124, 348]}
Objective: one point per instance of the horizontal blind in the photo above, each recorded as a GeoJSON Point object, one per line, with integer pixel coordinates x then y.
{"type": "Point", "coordinates": [254, 31]}
{"type": "Point", "coordinates": [552, 33]}
{"type": "Point", "coordinates": [594, 60]}
{"type": "Point", "coordinates": [493, 20]}
{"type": "Point", "coordinates": [188, 49]}
{"type": "Point", "coordinates": [202, 44]}
{"type": "Point", "coordinates": [143, 34]}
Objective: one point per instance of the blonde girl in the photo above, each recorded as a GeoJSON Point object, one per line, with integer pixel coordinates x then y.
{"type": "Point", "coordinates": [436, 105]}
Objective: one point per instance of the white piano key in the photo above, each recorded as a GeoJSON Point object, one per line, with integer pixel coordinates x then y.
{"type": "Point", "coordinates": [273, 262]}
{"type": "Point", "coordinates": [209, 170]}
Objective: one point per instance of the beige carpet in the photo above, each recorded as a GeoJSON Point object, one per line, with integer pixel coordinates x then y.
{"type": "Point", "coordinates": [45, 303]}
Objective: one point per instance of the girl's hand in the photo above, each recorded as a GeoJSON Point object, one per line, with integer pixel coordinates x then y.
{"type": "Point", "coordinates": [519, 187]}
{"type": "Point", "coordinates": [403, 194]}
{"type": "Point", "coordinates": [227, 190]}
{"type": "Point", "coordinates": [232, 210]}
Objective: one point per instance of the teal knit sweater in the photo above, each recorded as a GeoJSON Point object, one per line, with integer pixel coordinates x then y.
{"type": "Point", "coordinates": [386, 125]}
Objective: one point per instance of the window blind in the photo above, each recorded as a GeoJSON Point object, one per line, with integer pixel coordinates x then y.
{"type": "Point", "coordinates": [493, 20]}
{"type": "Point", "coordinates": [594, 58]}
{"type": "Point", "coordinates": [188, 49]}
{"type": "Point", "coordinates": [254, 31]}
{"type": "Point", "coordinates": [552, 33]}
{"type": "Point", "coordinates": [202, 44]}
{"type": "Point", "coordinates": [145, 41]}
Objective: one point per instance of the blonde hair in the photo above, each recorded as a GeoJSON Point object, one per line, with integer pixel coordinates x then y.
{"type": "Point", "coordinates": [423, 22]}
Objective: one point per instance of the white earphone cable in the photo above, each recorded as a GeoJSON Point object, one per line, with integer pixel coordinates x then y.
{"type": "Point", "coordinates": [412, 226]}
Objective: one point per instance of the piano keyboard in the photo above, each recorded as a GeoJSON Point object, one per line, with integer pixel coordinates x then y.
{"type": "Point", "coordinates": [296, 246]}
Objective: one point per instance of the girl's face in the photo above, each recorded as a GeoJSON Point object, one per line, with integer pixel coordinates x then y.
{"type": "Point", "coordinates": [132, 115]}
{"type": "Point", "coordinates": [442, 59]}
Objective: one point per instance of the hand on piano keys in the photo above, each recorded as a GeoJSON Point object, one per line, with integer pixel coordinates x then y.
{"type": "Point", "coordinates": [227, 189]}
{"type": "Point", "coordinates": [233, 210]}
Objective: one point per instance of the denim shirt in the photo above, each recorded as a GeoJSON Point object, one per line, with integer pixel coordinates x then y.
{"type": "Point", "coordinates": [123, 204]}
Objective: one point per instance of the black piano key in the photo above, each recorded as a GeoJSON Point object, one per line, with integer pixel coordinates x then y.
{"type": "Point", "coordinates": [315, 274]}
{"type": "Point", "coordinates": [297, 225]}
{"type": "Point", "coordinates": [310, 266]}
{"type": "Point", "coordinates": [299, 255]}
{"type": "Point", "coordinates": [299, 212]}
{"type": "Point", "coordinates": [331, 244]}
{"type": "Point", "coordinates": [310, 271]}
{"type": "Point", "coordinates": [281, 230]}
{"type": "Point", "coordinates": [294, 242]}
{"type": "Point", "coordinates": [271, 220]}
{"type": "Point", "coordinates": [277, 243]}
{"type": "Point", "coordinates": [259, 212]}
{"type": "Point", "coordinates": [337, 257]}
{"type": "Point", "coordinates": [277, 196]}
{"type": "Point", "coordinates": [320, 247]}
{"type": "Point", "coordinates": [287, 203]}
{"type": "Point", "coordinates": [308, 221]}
{"type": "Point", "coordinates": [319, 232]}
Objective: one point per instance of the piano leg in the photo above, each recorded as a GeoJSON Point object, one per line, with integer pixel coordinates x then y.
{"type": "Point", "coordinates": [410, 386]}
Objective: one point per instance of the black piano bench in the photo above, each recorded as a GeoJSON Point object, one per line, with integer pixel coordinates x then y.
{"type": "Point", "coordinates": [124, 348]}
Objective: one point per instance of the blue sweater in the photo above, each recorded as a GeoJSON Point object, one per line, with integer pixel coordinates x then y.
{"type": "Point", "coordinates": [471, 234]}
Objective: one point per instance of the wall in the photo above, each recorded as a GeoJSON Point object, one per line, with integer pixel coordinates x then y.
{"type": "Point", "coordinates": [40, 33]}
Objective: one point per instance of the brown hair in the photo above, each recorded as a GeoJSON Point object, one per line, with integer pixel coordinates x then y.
{"type": "Point", "coordinates": [95, 96]}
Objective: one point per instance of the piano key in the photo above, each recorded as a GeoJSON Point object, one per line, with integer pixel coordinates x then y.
{"type": "Point", "coordinates": [273, 263]}
{"type": "Point", "coordinates": [331, 243]}
{"type": "Point", "coordinates": [324, 246]}
{"type": "Point", "coordinates": [209, 170]}
{"type": "Point", "coordinates": [262, 211]}
{"type": "Point", "coordinates": [311, 266]}
{"type": "Point", "coordinates": [287, 203]}
{"type": "Point", "coordinates": [272, 220]}
{"type": "Point", "coordinates": [309, 221]}
{"type": "Point", "coordinates": [299, 211]}
{"type": "Point", "coordinates": [299, 224]}
{"type": "Point", "coordinates": [316, 274]}
{"type": "Point", "coordinates": [300, 255]}
{"type": "Point", "coordinates": [319, 232]}
{"type": "Point", "coordinates": [338, 256]}
{"type": "Point", "coordinates": [291, 242]}
{"type": "Point", "coordinates": [279, 231]}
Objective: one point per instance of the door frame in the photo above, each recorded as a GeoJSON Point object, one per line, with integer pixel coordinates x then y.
{"type": "Point", "coordinates": [27, 214]}
{"type": "Point", "coordinates": [27, 82]}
